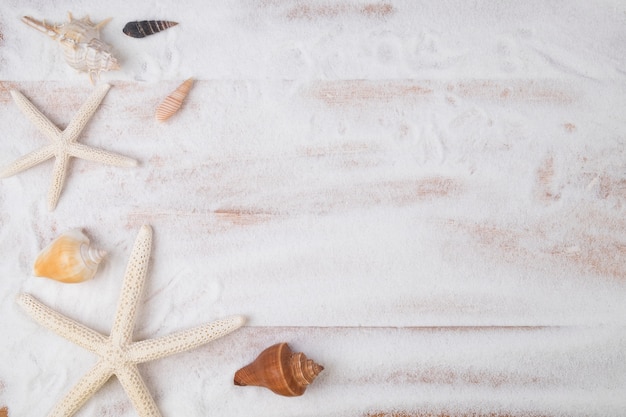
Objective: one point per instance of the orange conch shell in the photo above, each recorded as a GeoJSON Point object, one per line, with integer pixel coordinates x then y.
{"type": "Point", "coordinates": [172, 103]}
{"type": "Point", "coordinates": [281, 370]}
{"type": "Point", "coordinates": [69, 259]}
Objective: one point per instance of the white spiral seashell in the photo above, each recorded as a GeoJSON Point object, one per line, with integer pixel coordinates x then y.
{"type": "Point", "coordinates": [91, 255]}
{"type": "Point", "coordinates": [81, 44]}
{"type": "Point", "coordinates": [69, 258]}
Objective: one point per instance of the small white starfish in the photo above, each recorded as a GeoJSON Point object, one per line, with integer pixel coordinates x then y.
{"type": "Point", "coordinates": [119, 355]}
{"type": "Point", "coordinates": [64, 143]}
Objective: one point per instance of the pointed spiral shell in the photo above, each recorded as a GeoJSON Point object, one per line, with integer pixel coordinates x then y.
{"type": "Point", "coordinates": [69, 258]}
{"type": "Point", "coordinates": [143, 28]}
{"type": "Point", "coordinates": [172, 103]}
{"type": "Point", "coordinates": [80, 40]}
{"type": "Point", "coordinates": [280, 370]}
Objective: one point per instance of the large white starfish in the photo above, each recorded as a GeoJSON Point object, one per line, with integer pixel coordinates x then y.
{"type": "Point", "coordinates": [119, 355]}
{"type": "Point", "coordinates": [63, 144]}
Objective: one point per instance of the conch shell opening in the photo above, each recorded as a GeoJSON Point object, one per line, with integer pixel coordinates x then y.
{"type": "Point", "coordinates": [280, 370]}
{"type": "Point", "coordinates": [70, 258]}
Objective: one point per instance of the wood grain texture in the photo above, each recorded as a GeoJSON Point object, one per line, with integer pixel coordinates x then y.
{"type": "Point", "coordinates": [516, 371]}
{"type": "Point", "coordinates": [478, 368]}
{"type": "Point", "coordinates": [339, 9]}
{"type": "Point", "coordinates": [420, 197]}
{"type": "Point", "coordinates": [450, 414]}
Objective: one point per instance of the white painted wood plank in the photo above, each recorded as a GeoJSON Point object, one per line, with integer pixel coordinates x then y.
{"type": "Point", "coordinates": [342, 39]}
{"type": "Point", "coordinates": [398, 203]}
{"type": "Point", "coordinates": [419, 372]}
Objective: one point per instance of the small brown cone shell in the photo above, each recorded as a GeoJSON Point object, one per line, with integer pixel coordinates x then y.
{"type": "Point", "coordinates": [172, 103]}
{"type": "Point", "coordinates": [280, 370]}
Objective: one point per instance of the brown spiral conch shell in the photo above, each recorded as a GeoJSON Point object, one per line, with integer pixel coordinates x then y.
{"type": "Point", "coordinates": [81, 44]}
{"type": "Point", "coordinates": [144, 28]}
{"type": "Point", "coordinates": [69, 258]}
{"type": "Point", "coordinates": [172, 103]}
{"type": "Point", "coordinates": [280, 370]}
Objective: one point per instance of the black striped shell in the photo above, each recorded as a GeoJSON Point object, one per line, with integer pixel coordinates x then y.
{"type": "Point", "coordinates": [143, 28]}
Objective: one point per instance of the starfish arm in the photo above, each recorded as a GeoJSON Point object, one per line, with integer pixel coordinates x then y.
{"type": "Point", "coordinates": [42, 123]}
{"type": "Point", "coordinates": [85, 112]}
{"type": "Point", "coordinates": [89, 153]}
{"type": "Point", "coordinates": [87, 386]}
{"type": "Point", "coordinates": [63, 326]}
{"type": "Point", "coordinates": [137, 391]}
{"type": "Point", "coordinates": [132, 287]}
{"type": "Point", "coordinates": [58, 179]}
{"type": "Point", "coordinates": [152, 349]}
{"type": "Point", "coordinates": [28, 161]}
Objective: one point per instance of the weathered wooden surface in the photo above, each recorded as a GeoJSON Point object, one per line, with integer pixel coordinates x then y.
{"type": "Point", "coordinates": [442, 231]}
{"type": "Point", "coordinates": [428, 200]}
{"type": "Point", "coordinates": [380, 371]}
